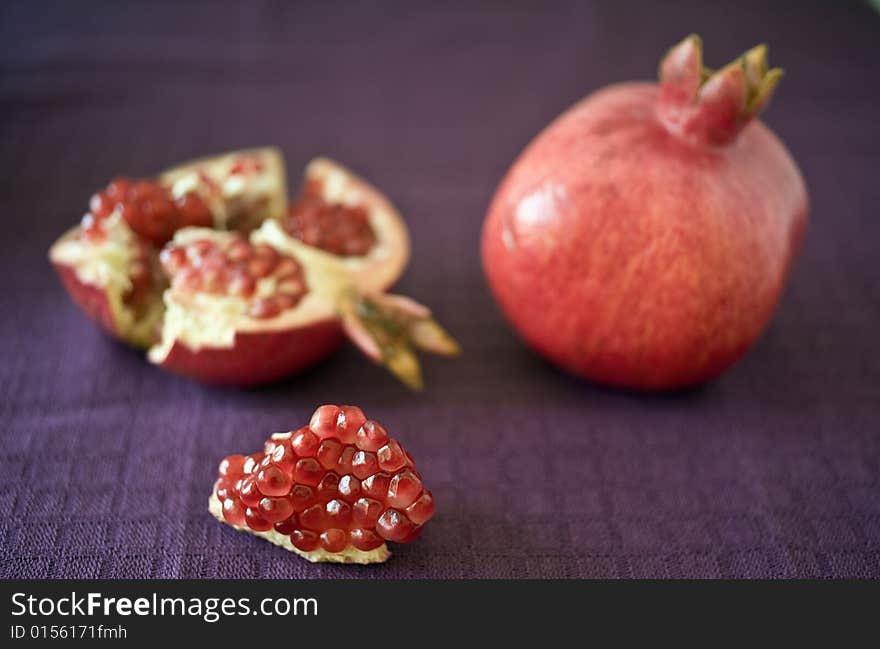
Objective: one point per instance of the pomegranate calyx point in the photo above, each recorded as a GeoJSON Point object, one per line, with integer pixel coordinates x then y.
{"type": "Point", "coordinates": [389, 328]}
{"type": "Point", "coordinates": [713, 106]}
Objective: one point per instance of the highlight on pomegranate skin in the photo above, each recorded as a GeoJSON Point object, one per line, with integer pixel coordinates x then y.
{"type": "Point", "coordinates": [335, 490]}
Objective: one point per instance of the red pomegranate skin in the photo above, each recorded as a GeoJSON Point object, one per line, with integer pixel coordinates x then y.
{"type": "Point", "coordinates": [638, 258]}
{"type": "Point", "coordinates": [259, 357]}
{"type": "Point", "coordinates": [91, 299]}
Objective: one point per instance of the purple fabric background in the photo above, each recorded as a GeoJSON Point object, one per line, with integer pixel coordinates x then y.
{"type": "Point", "coordinates": [106, 462]}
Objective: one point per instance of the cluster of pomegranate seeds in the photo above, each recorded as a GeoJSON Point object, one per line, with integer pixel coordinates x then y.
{"type": "Point", "coordinates": [148, 208]}
{"type": "Point", "coordinates": [341, 229]}
{"type": "Point", "coordinates": [233, 267]}
{"type": "Point", "coordinates": [338, 482]}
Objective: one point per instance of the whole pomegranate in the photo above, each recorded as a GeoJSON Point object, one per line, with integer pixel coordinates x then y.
{"type": "Point", "coordinates": [643, 238]}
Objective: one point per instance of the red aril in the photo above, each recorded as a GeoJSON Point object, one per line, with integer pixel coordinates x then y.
{"type": "Point", "coordinates": [340, 229]}
{"type": "Point", "coordinates": [324, 513]}
{"type": "Point", "coordinates": [643, 239]}
{"type": "Point", "coordinates": [148, 208]}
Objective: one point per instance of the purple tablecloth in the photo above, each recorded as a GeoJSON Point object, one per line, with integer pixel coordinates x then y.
{"type": "Point", "coordinates": [106, 463]}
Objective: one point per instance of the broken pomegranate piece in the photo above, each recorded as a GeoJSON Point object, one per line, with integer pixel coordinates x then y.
{"type": "Point", "coordinates": [335, 490]}
{"type": "Point", "coordinates": [247, 291]}
{"type": "Point", "coordinates": [109, 263]}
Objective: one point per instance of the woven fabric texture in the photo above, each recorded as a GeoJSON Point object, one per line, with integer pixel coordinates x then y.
{"type": "Point", "coordinates": [106, 463]}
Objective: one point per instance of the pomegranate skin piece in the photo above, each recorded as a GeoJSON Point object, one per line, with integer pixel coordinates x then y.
{"type": "Point", "coordinates": [643, 238]}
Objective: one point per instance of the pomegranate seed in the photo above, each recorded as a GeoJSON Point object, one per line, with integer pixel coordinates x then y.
{"type": "Point", "coordinates": [329, 486]}
{"type": "Point", "coordinates": [414, 533]}
{"type": "Point", "coordinates": [338, 513]}
{"type": "Point", "coordinates": [101, 205]}
{"type": "Point", "coordinates": [221, 488]}
{"type": "Point", "coordinates": [172, 259]}
{"type": "Point", "coordinates": [189, 279]}
{"type": "Point", "coordinates": [275, 509]}
{"type": "Point", "coordinates": [302, 497]}
{"type": "Point", "coordinates": [259, 268]}
{"type": "Point", "coordinates": [364, 464]}
{"type": "Point", "coordinates": [305, 443]}
{"type": "Point", "coordinates": [272, 481]}
{"type": "Point", "coordinates": [348, 421]}
{"type": "Point", "coordinates": [422, 509]}
{"type": "Point", "coordinates": [284, 457]}
{"type": "Point", "coordinates": [343, 465]}
{"type": "Point", "coordinates": [366, 512]}
{"type": "Point", "coordinates": [232, 466]}
{"type": "Point", "coordinates": [376, 486]}
{"type": "Point", "coordinates": [287, 267]}
{"type": "Point", "coordinates": [393, 525]}
{"type": "Point", "coordinates": [308, 472]}
{"type": "Point", "coordinates": [334, 540]}
{"type": "Point", "coordinates": [233, 512]}
{"type": "Point", "coordinates": [264, 307]}
{"type": "Point", "coordinates": [285, 301]}
{"type": "Point", "coordinates": [240, 250]}
{"type": "Point", "coordinates": [313, 518]}
{"type": "Point", "coordinates": [403, 490]}
{"type": "Point", "coordinates": [255, 521]}
{"type": "Point", "coordinates": [371, 436]}
{"type": "Point", "coordinates": [364, 539]}
{"type": "Point", "coordinates": [349, 488]}
{"type": "Point", "coordinates": [328, 453]}
{"type": "Point", "coordinates": [241, 284]}
{"type": "Point", "coordinates": [252, 462]}
{"type": "Point", "coordinates": [391, 457]}
{"type": "Point", "coordinates": [267, 252]}
{"type": "Point", "coordinates": [287, 526]}
{"type": "Point", "coordinates": [323, 422]}
{"type": "Point", "coordinates": [118, 187]}
{"type": "Point", "coordinates": [250, 495]}
{"type": "Point", "coordinates": [304, 540]}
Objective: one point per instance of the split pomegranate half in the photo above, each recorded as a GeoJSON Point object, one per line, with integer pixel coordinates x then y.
{"type": "Point", "coordinates": [335, 490]}
{"type": "Point", "coordinates": [211, 269]}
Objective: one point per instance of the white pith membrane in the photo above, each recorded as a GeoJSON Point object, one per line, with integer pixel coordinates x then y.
{"type": "Point", "coordinates": [384, 263]}
{"type": "Point", "coordinates": [349, 555]}
{"type": "Point", "coordinates": [259, 188]}
{"type": "Point", "coordinates": [319, 555]}
{"type": "Point", "coordinates": [104, 264]}
{"type": "Point", "coordinates": [199, 319]}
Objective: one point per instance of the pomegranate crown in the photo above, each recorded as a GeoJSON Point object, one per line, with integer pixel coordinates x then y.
{"type": "Point", "coordinates": [713, 106]}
